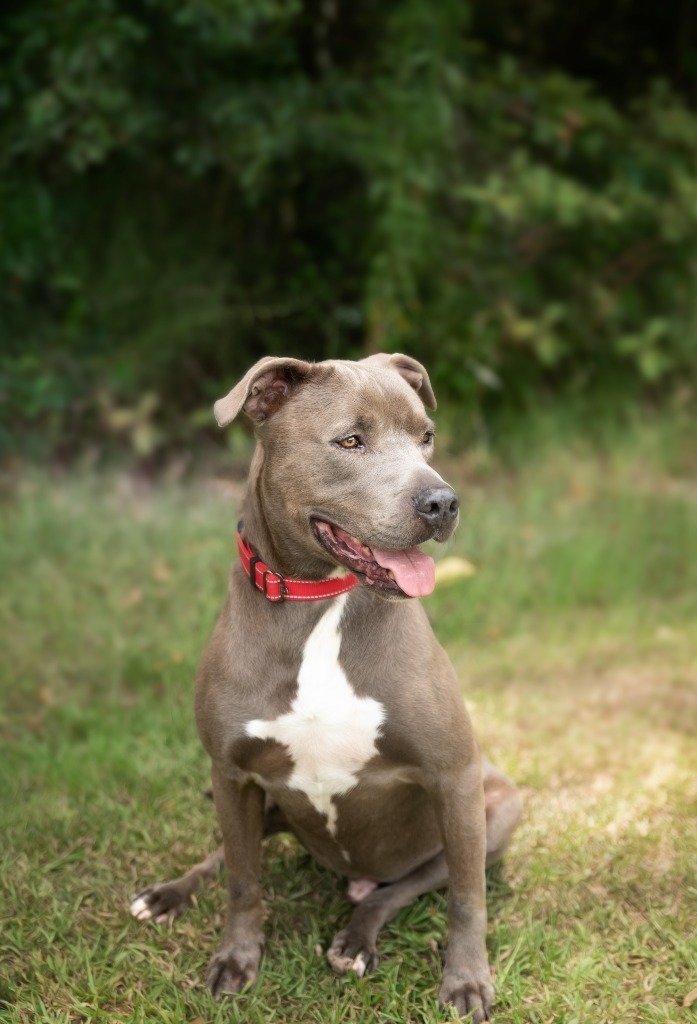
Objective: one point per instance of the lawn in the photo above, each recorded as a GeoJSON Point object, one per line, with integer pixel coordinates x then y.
{"type": "Point", "coordinates": [576, 644]}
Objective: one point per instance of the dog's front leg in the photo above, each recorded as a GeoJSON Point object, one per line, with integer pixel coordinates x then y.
{"type": "Point", "coordinates": [466, 977]}
{"type": "Point", "coordinates": [240, 807]}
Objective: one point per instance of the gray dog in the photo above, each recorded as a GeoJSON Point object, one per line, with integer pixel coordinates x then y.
{"type": "Point", "coordinates": [327, 706]}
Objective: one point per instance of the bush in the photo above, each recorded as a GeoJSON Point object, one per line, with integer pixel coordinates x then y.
{"type": "Point", "coordinates": [186, 186]}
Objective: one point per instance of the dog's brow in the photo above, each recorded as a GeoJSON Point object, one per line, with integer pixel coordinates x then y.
{"type": "Point", "coordinates": [413, 423]}
{"type": "Point", "coordinates": [358, 425]}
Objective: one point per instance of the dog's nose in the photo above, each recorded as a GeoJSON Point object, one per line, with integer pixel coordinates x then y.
{"type": "Point", "coordinates": [437, 506]}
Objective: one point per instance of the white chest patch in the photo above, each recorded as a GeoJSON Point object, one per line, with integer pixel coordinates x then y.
{"type": "Point", "coordinates": [330, 731]}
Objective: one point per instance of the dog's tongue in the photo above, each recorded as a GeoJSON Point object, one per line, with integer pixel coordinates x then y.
{"type": "Point", "coordinates": [413, 570]}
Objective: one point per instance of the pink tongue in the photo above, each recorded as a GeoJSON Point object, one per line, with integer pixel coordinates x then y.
{"type": "Point", "coordinates": [413, 570]}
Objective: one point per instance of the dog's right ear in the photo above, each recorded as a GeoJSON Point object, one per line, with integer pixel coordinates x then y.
{"type": "Point", "coordinates": [262, 389]}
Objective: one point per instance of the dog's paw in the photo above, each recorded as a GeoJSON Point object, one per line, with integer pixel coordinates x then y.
{"type": "Point", "coordinates": [471, 994]}
{"type": "Point", "coordinates": [159, 903]}
{"type": "Point", "coordinates": [352, 952]}
{"type": "Point", "coordinates": [230, 973]}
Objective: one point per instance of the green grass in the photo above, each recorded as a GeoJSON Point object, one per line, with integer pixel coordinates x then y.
{"type": "Point", "coordinates": [576, 642]}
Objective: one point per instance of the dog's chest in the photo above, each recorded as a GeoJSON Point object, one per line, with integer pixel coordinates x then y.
{"type": "Point", "coordinates": [329, 732]}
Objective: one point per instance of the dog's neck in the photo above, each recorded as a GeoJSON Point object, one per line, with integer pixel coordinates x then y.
{"type": "Point", "coordinates": [274, 546]}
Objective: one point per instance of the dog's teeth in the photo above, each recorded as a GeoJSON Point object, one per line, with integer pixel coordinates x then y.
{"type": "Point", "coordinates": [359, 546]}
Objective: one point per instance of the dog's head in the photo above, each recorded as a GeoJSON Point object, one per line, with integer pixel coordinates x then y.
{"type": "Point", "coordinates": [344, 466]}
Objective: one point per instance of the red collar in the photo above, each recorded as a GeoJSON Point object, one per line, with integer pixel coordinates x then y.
{"type": "Point", "coordinates": [278, 588]}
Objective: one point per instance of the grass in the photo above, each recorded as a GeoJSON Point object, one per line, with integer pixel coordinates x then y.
{"type": "Point", "coordinates": [576, 642]}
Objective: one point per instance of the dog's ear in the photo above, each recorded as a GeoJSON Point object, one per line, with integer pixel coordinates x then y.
{"type": "Point", "coordinates": [262, 389]}
{"type": "Point", "coordinates": [413, 372]}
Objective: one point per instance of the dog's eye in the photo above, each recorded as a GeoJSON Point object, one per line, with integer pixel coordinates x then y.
{"type": "Point", "coordinates": [428, 437]}
{"type": "Point", "coordinates": [352, 441]}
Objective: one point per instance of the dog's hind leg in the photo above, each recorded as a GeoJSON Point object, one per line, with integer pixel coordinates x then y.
{"type": "Point", "coordinates": [354, 947]}
{"type": "Point", "coordinates": [503, 808]}
{"type": "Point", "coordinates": [166, 901]}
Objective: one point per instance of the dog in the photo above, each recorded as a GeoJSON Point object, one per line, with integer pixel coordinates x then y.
{"type": "Point", "coordinates": [323, 698]}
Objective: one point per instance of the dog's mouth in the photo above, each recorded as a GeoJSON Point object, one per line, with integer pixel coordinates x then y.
{"type": "Point", "coordinates": [409, 572]}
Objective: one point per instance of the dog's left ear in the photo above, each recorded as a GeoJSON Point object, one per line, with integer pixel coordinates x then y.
{"type": "Point", "coordinates": [262, 389]}
{"type": "Point", "coordinates": [413, 372]}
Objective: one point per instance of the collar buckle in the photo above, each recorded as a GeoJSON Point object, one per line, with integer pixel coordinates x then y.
{"type": "Point", "coordinates": [282, 588]}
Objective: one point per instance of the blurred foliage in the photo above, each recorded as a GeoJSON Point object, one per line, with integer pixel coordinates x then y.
{"type": "Point", "coordinates": [506, 191]}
